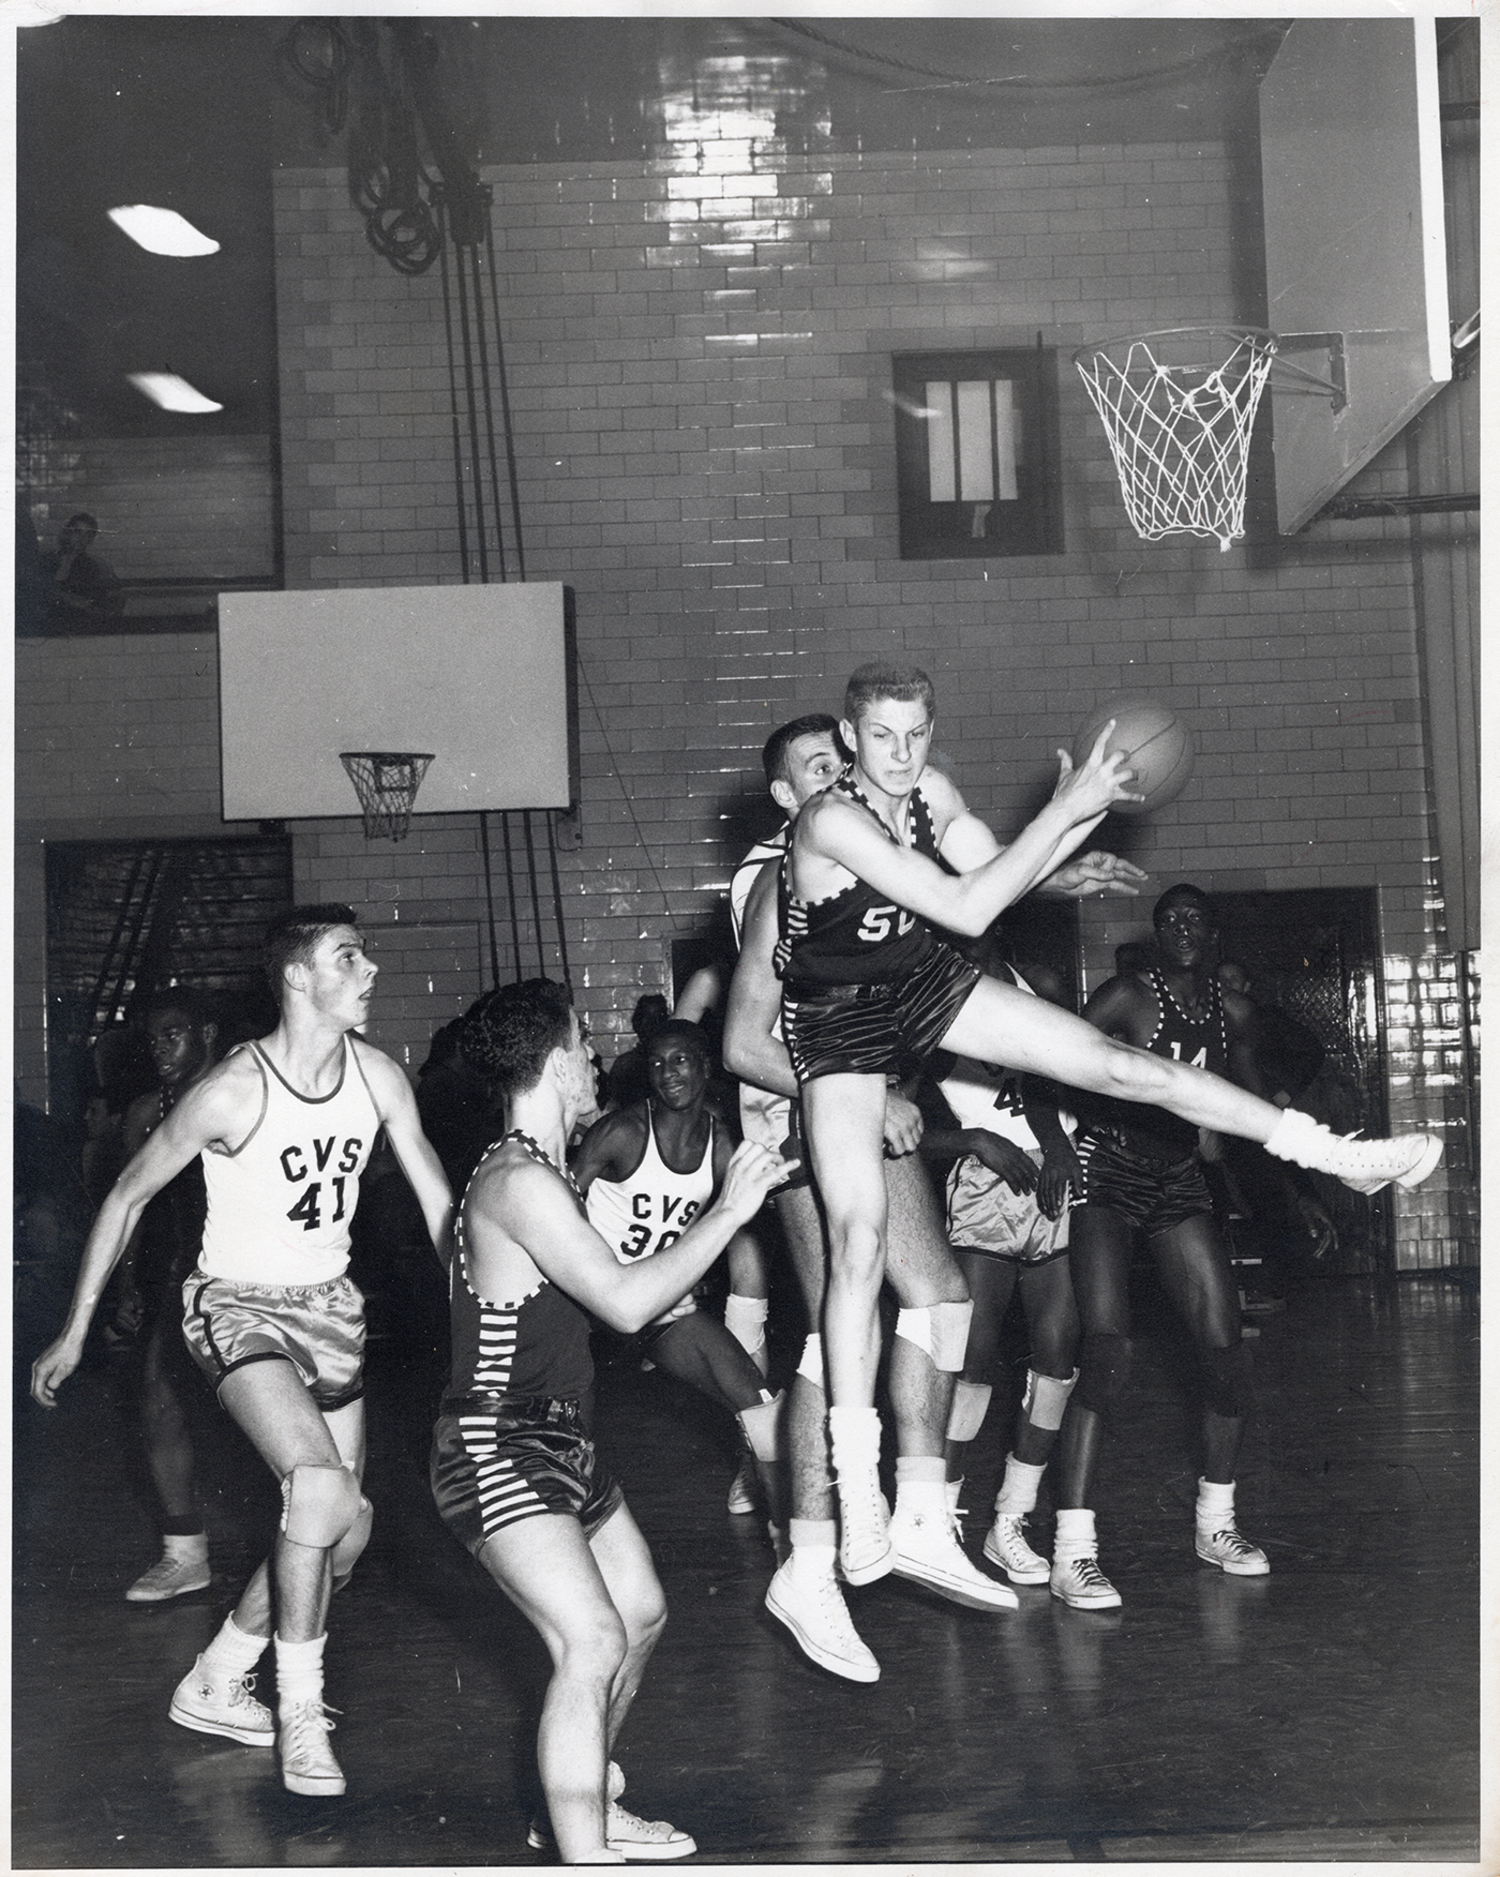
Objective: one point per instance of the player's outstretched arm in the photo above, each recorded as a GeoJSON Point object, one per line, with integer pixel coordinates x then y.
{"type": "Point", "coordinates": [967, 842]}
{"type": "Point", "coordinates": [208, 1111]}
{"type": "Point", "coordinates": [969, 902]}
{"type": "Point", "coordinates": [530, 1205]}
{"type": "Point", "coordinates": [397, 1107]}
{"type": "Point", "coordinates": [1090, 875]}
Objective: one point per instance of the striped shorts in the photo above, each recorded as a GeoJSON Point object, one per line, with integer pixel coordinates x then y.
{"type": "Point", "coordinates": [318, 1328]}
{"type": "Point", "coordinates": [498, 1459]}
{"type": "Point", "coordinates": [1153, 1195]}
{"type": "Point", "coordinates": [876, 1029]}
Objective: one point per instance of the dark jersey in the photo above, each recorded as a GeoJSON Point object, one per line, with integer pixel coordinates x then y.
{"type": "Point", "coordinates": [529, 1346]}
{"type": "Point", "coordinates": [855, 936]}
{"type": "Point", "coordinates": [1202, 1041]}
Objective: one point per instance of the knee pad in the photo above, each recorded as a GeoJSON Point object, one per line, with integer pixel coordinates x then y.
{"type": "Point", "coordinates": [1227, 1385]}
{"type": "Point", "coordinates": [1045, 1398]}
{"type": "Point", "coordinates": [762, 1425]}
{"type": "Point", "coordinates": [940, 1330]}
{"type": "Point", "coordinates": [346, 1551]}
{"type": "Point", "coordinates": [1104, 1372]}
{"type": "Point", "coordinates": [971, 1403]}
{"type": "Point", "coordinates": [320, 1505]}
{"type": "Point", "coordinates": [810, 1368]}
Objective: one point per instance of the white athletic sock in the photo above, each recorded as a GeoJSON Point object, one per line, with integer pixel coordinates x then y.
{"type": "Point", "coordinates": [299, 1672]}
{"type": "Point", "coordinates": [745, 1319]}
{"type": "Point", "coordinates": [921, 1485]}
{"type": "Point", "coordinates": [191, 1549]}
{"type": "Point", "coordinates": [1075, 1534]}
{"type": "Point", "coordinates": [1215, 1507]}
{"type": "Point", "coordinates": [814, 1546]}
{"type": "Point", "coordinates": [854, 1435]}
{"type": "Point", "coordinates": [233, 1651]}
{"type": "Point", "coordinates": [1018, 1490]}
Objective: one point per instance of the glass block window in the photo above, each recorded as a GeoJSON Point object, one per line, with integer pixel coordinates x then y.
{"type": "Point", "coordinates": [976, 453]}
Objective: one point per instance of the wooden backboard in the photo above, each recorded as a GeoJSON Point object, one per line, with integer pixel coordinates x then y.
{"type": "Point", "coordinates": [1352, 177]}
{"type": "Point", "coordinates": [479, 675]}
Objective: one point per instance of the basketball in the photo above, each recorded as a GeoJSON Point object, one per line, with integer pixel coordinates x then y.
{"type": "Point", "coordinates": [1157, 742]}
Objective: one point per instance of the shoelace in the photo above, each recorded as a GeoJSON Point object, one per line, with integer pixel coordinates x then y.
{"type": "Point", "coordinates": [242, 1690]}
{"type": "Point", "coordinates": [1013, 1525]}
{"type": "Point", "coordinates": [834, 1609]}
{"type": "Point", "coordinates": [1231, 1537]}
{"type": "Point", "coordinates": [311, 1715]}
{"type": "Point", "coordinates": [1089, 1576]}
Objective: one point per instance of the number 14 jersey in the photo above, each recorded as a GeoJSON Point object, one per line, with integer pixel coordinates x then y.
{"type": "Point", "coordinates": [280, 1204]}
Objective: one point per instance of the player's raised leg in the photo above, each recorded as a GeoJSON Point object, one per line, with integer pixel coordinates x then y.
{"type": "Point", "coordinates": [1000, 1024]}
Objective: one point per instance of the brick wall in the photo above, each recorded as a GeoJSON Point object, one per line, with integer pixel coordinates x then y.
{"type": "Point", "coordinates": [698, 354]}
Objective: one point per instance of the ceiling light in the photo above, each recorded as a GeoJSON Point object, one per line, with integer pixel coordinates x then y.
{"type": "Point", "coordinates": [162, 231]}
{"type": "Point", "coordinates": [171, 392]}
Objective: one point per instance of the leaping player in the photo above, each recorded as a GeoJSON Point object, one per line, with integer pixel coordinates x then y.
{"type": "Point", "coordinates": [869, 989]}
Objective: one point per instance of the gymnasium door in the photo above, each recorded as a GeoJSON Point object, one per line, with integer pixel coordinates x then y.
{"type": "Point", "coordinates": [127, 918]}
{"type": "Point", "coordinates": [1314, 954]}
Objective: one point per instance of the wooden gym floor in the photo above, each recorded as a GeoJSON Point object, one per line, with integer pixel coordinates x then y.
{"type": "Point", "coordinates": [1327, 1713]}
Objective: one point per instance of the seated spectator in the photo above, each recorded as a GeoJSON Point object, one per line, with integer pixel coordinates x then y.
{"type": "Point", "coordinates": [84, 590]}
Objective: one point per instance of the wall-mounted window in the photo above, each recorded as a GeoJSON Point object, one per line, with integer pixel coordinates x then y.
{"type": "Point", "coordinates": [976, 453]}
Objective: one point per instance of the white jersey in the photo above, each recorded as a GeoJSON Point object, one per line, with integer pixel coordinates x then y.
{"type": "Point", "coordinates": [280, 1204]}
{"type": "Point", "coordinates": [652, 1207]}
{"type": "Point", "coordinates": [982, 1095]}
{"type": "Point", "coordinates": [764, 1118]}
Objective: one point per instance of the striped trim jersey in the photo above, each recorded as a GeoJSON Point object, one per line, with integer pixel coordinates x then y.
{"type": "Point", "coordinates": [854, 936]}
{"type": "Point", "coordinates": [983, 1095]}
{"type": "Point", "coordinates": [1202, 1041]}
{"type": "Point", "coordinates": [281, 1203]}
{"type": "Point", "coordinates": [653, 1206]}
{"type": "Point", "coordinates": [536, 1345]}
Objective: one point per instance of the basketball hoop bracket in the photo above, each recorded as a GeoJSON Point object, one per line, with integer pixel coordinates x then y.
{"type": "Point", "coordinates": [386, 782]}
{"type": "Point", "coordinates": [1336, 384]}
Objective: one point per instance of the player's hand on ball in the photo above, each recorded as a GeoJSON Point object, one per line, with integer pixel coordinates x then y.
{"type": "Point", "coordinates": [1099, 783]}
{"type": "Point", "coordinates": [1096, 873]}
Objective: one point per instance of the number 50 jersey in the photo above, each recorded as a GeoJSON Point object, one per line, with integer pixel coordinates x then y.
{"type": "Point", "coordinates": [280, 1204]}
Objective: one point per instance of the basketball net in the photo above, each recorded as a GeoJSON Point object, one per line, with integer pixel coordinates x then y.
{"type": "Point", "coordinates": [386, 783]}
{"type": "Point", "coordinates": [1180, 431]}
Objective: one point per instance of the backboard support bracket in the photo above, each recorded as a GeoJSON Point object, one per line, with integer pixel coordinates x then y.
{"type": "Point", "coordinates": [1392, 507]}
{"type": "Point", "coordinates": [1336, 384]}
